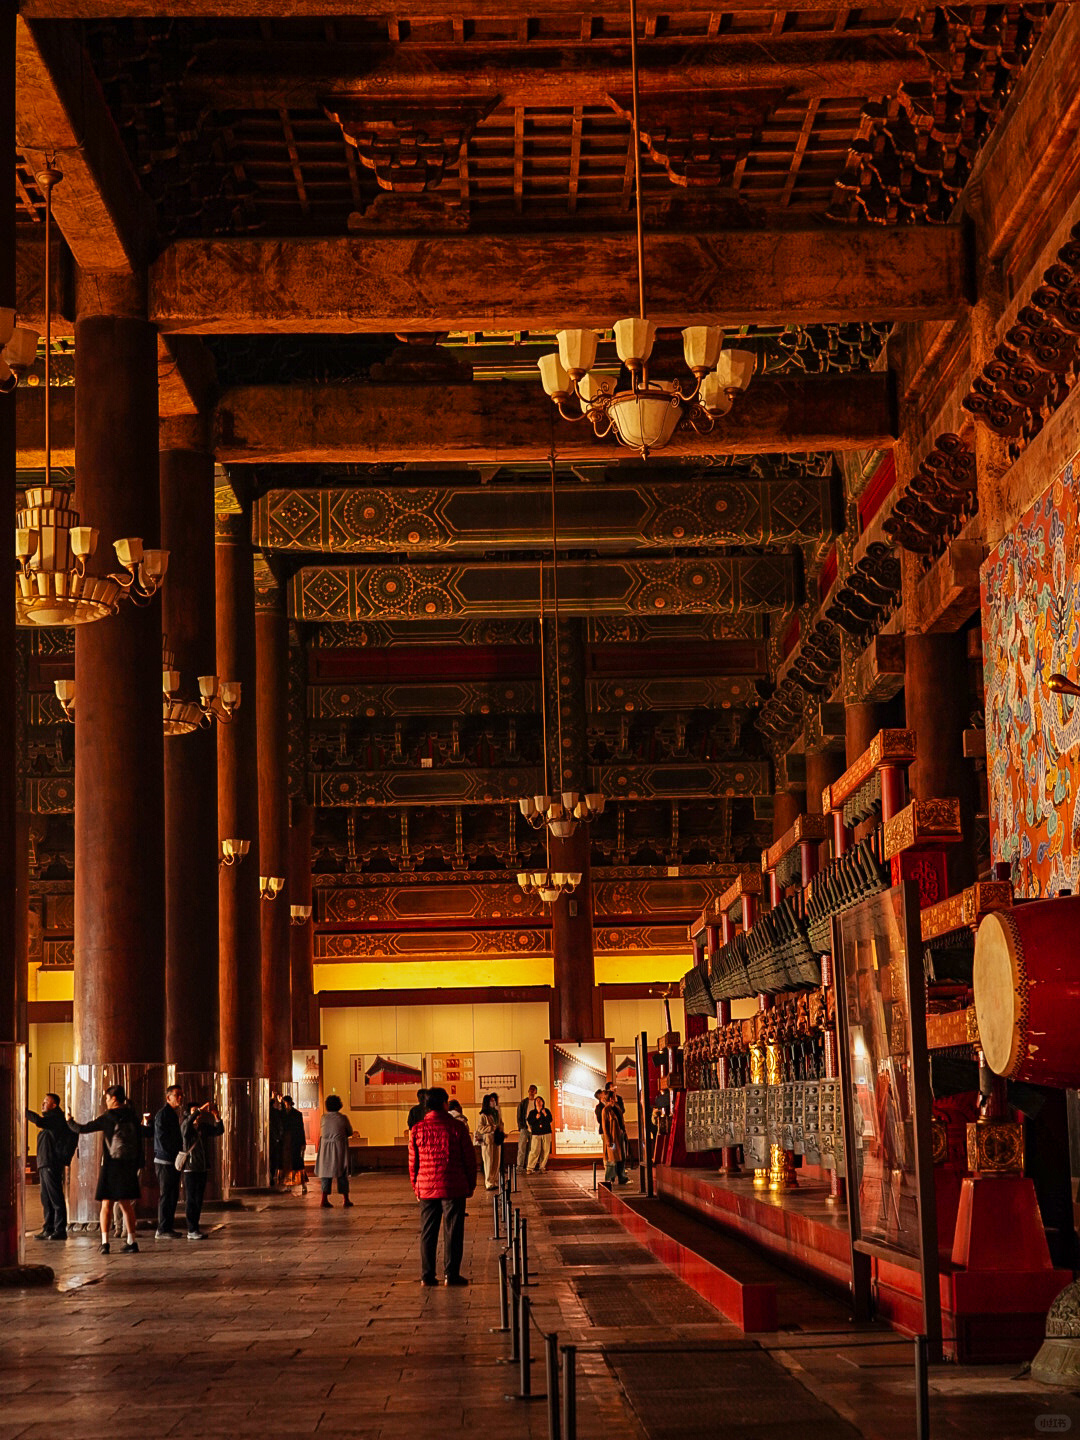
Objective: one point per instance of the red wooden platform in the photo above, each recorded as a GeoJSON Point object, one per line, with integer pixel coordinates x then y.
{"type": "Point", "coordinates": [987, 1315]}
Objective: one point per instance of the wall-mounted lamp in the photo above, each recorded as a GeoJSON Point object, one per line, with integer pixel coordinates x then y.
{"type": "Point", "coordinates": [233, 851]}
{"type": "Point", "coordinates": [270, 886]}
{"type": "Point", "coordinates": [299, 914]}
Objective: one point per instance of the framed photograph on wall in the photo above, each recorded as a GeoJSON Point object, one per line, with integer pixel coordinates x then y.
{"type": "Point", "coordinates": [385, 1082]}
{"type": "Point", "coordinates": [578, 1069]}
{"type": "Point", "coordinates": [885, 1081]}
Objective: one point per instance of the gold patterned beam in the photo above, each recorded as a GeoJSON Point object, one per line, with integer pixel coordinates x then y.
{"type": "Point", "coordinates": [667, 693]}
{"type": "Point", "coordinates": [400, 699]}
{"type": "Point", "coordinates": [586, 587]}
{"type": "Point", "coordinates": [966, 908]}
{"type": "Point", "coordinates": [470, 785]}
{"type": "Point", "coordinates": [620, 896]}
{"type": "Point", "coordinates": [615, 516]}
{"type": "Point", "coordinates": [494, 944]}
{"type": "Point", "coordinates": [888, 747]}
{"type": "Point", "coordinates": [923, 822]}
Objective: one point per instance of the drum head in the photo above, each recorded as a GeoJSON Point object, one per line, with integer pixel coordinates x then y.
{"type": "Point", "coordinates": [997, 996]}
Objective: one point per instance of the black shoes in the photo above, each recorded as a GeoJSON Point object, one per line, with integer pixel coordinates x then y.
{"type": "Point", "coordinates": [455, 1280]}
{"type": "Point", "coordinates": [131, 1247]}
{"type": "Point", "coordinates": [104, 1247]}
{"type": "Point", "coordinates": [427, 1281]}
{"type": "Point", "coordinates": [43, 1235]}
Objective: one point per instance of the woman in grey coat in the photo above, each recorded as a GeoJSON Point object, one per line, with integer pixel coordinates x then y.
{"type": "Point", "coordinates": [332, 1157]}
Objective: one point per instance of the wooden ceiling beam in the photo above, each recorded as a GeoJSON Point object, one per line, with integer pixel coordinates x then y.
{"type": "Point", "coordinates": [100, 207]}
{"type": "Point", "coordinates": [402, 10]}
{"type": "Point", "coordinates": [506, 422]}
{"type": "Point", "coordinates": [487, 424]}
{"type": "Point", "coordinates": [380, 284]}
{"type": "Point", "coordinates": [298, 75]}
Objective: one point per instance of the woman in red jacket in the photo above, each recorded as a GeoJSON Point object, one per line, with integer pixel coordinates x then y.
{"type": "Point", "coordinates": [442, 1168]}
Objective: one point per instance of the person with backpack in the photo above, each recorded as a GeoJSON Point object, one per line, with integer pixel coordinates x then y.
{"type": "Point", "coordinates": [122, 1132]}
{"type": "Point", "coordinates": [56, 1147]}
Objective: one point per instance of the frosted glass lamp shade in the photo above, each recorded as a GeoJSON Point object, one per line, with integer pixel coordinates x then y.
{"type": "Point", "coordinates": [634, 340]}
{"type": "Point", "coordinates": [714, 398]}
{"type": "Point", "coordinates": [21, 350]}
{"type": "Point", "coordinates": [735, 368]}
{"type": "Point", "coordinates": [577, 351]}
{"type": "Point", "coordinates": [555, 379]}
{"type": "Point", "coordinates": [646, 420]}
{"type": "Point", "coordinates": [701, 347]}
{"type": "Point", "coordinates": [129, 552]}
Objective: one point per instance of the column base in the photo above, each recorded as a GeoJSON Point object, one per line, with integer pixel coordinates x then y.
{"type": "Point", "coordinates": [84, 1096]}
{"type": "Point", "coordinates": [25, 1277]}
{"type": "Point", "coordinates": [245, 1150]}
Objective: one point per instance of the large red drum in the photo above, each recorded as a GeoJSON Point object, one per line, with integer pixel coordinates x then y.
{"type": "Point", "coordinates": [1027, 991]}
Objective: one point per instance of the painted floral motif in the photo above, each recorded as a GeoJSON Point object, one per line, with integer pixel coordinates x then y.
{"type": "Point", "coordinates": [1031, 630]}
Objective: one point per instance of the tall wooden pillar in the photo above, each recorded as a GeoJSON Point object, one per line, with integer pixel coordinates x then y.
{"type": "Point", "coordinates": [11, 1123]}
{"type": "Point", "coordinates": [822, 768]}
{"type": "Point", "coordinates": [305, 1016]}
{"type": "Point", "coordinates": [577, 999]}
{"type": "Point", "coordinates": [119, 758]}
{"type": "Point", "coordinates": [788, 805]}
{"type": "Point", "coordinates": [272, 670]}
{"type": "Point", "coordinates": [188, 623]}
{"type": "Point", "coordinates": [936, 704]}
{"type": "Point", "coordinates": [240, 951]}
{"type": "Point", "coordinates": [861, 723]}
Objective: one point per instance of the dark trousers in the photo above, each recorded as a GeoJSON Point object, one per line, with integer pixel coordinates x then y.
{"type": "Point", "coordinates": [53, 1204]}
{"type": "Point", "coordinates": [327, 1183]}
{"type": "Point", "coordinates": [168, 1179]}
{"type": "Point", "coordinates": [450, 1214]}
{"type": "Point", "coordinates": [194, 1190]}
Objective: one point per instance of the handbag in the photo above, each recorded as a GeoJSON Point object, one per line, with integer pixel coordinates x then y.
{"type": "Point", "coordinates": [182, 1158]}
{"type": "Point", "coordinates": [499, 1136]}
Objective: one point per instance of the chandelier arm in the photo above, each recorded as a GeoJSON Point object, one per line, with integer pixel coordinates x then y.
{"type": "Point", "coordinates": [598, 417]}
{"type": "Point", "coordinates": [572, 417]}
{"type": "Point", "coordinates": [697, 416]}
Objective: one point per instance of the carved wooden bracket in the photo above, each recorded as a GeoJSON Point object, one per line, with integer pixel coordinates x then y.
{"type": "Point", "coordinates": [915, 149]}
{"type": "Point", "coordinates": [408, 147]}
{"type": "Point", "coordinates": [1036, 365]}
{"type": "Point", "coordinates": [700, 142]}
{"type": "Point", "coordinates": [939, 501]}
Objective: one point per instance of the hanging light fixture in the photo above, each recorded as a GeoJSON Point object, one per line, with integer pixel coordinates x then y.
{"type": "Point", "coordinates": [51, 547]}
{"type": "Point", "coordinates": [179, 717]}
{"type": "Point", "coordinates": [644, 414]}
{"type": "Point", "coordinates": [562, 812]}
{"type": "Point", "coordinates": [218, 700]}
{"type": "Point", "coordinates": [548, 884]}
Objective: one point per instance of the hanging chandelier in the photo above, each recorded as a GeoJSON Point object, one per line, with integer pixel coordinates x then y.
{"type": "Point", "coordinates": [560, 813]}
{"type": "Point", "coordinates": [645, 413]}
{"type": "Point", "coordinates": [179, 717]}
{"type": "Point", "coordinates": [217, 700]}
{"type": "Point", "coordinates": [51, 546]}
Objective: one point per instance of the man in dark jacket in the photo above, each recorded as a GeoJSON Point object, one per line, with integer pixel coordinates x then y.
{"type": "Point", "coordinates": [55, 1148]}
{"type": "Point", "coordinates": [525, 1104]}
{"type": "Point", "coordinates": [168, 1143]}
{"type": "Point", "coordinates": [442, 1168]}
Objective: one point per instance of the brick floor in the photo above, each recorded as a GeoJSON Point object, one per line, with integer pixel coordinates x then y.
{"type": "Point", "coordinates": [292, 1321]}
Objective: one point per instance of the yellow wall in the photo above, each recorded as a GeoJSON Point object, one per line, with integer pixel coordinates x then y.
{"type": "Point", "coordinates": [624, 1020]}
{"type": "Point", "coordinates": [50, 1044]}
{"type": "Point", "coordinates": [412, 1029]}
{"type": "Point", "coordinates": [448, 975]}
